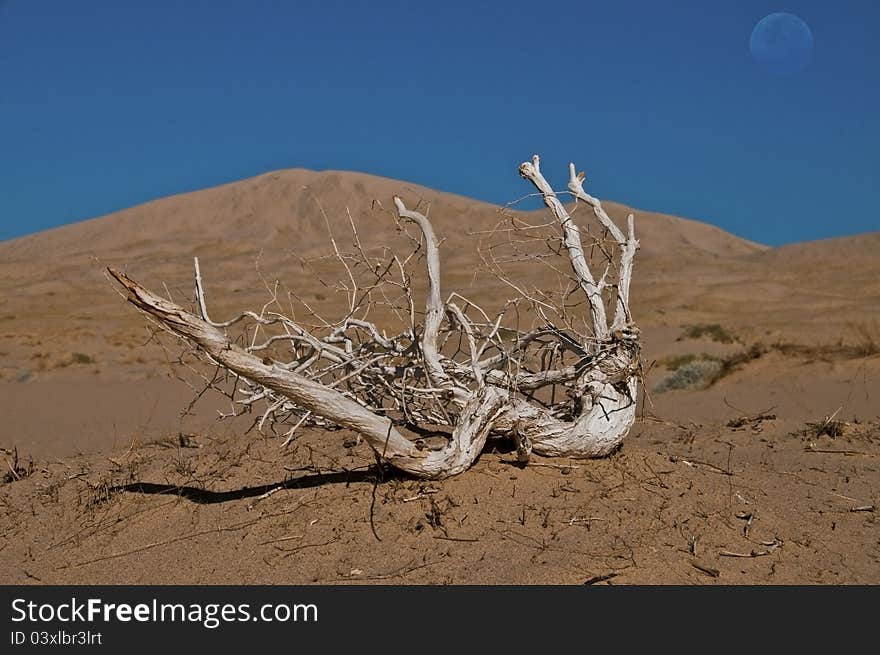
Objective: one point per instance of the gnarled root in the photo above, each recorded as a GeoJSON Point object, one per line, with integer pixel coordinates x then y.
{"type": "Point", "coordinates": [355, 376]}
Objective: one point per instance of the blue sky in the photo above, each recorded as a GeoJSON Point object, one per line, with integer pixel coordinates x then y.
{"type": "Point", "coordinates": [105, 104]}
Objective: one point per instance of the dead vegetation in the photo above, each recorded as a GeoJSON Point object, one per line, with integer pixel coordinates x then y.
{"type": "Point", "coordinates": [830, 426]}
{"type": "Point", "coordinates": [565, 382]}
{"type": "Point", "coordinates": [754, 422]}
{"type": "Point", "coordinates": [16, 468]}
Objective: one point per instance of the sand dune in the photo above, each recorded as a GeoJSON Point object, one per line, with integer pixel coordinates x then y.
{"type": "Point", "coordinates": [793, 330]}
{"type": "Point", "coordinates": [283, 206]}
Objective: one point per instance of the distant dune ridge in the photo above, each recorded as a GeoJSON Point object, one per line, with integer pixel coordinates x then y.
{"type": "Point", "coordinates": [276, 217]}
{"type": "Point", "coordinates": [259, 209]}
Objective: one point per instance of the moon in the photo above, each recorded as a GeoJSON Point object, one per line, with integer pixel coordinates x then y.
{"type": "Point", "coordinates": [781, 43]}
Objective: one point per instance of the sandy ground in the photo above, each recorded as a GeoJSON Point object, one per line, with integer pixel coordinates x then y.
{"type": "Point", "coordinates": [767, 475]}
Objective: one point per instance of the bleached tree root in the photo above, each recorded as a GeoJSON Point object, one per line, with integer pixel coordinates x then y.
{"type": "Point", "coordinates": [469, 436]}
{"type": "Point", "coordinates": [357, 377]}
{"type": "Point", "coordinates": [608, 388]}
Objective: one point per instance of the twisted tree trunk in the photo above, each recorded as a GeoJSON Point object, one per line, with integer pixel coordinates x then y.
{"type": "Point", "coordinates": [357, 387]}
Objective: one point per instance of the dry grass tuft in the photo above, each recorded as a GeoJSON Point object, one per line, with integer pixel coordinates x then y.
{"type": "Point", "coordinates": [16, 468]}
{"type": "Point", "coordinates": [868, 338]}
{"type": "Point", "coordinates": [828, 427]}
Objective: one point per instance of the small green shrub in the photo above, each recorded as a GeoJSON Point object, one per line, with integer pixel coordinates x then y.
{"type": "Point", "coordinates": [675, 362]}
{"type": "Point", "coordinates": [702, 371]}
{"type": "Point", "coordinates": [697, 374]}
{"type": "Point", "coordinates": [711, 330]}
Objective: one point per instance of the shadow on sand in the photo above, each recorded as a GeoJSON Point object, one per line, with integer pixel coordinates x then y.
{"type": "Point", "coordinates": [206, 496]}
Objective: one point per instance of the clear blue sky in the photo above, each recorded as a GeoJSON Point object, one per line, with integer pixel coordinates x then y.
{"type": "Point", "coordinates": [105, 104]}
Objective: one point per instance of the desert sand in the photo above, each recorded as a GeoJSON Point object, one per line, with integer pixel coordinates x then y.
{"type": "Point", "coordinates": [754, 459]}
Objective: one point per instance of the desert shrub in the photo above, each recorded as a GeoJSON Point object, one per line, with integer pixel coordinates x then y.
{"type": "Point", "coordinates": [696, 374]}
{"type": "Point", "coordinates": [732, 362]}
{"type": "Point", "coordinates": [701, 371]}
{"type": "Point", "coordinates": [712, 330]}
{"type": "Point", "coordinates": [867, 338]}
{"type": "Point", "coordinates": [675, 362]}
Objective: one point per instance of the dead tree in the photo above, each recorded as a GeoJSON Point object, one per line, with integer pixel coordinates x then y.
{"type": "Point", "coordinates": [351, 374]}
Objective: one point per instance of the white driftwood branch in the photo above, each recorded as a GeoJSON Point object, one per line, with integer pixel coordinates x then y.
{"type": "Point", "coordinates": [609, 385]}
{"type": "Point", "coordinates": [453, 369]}
{"type": "Point", "coordinates": [433, 303]}
{"type": "Point", "coordinates": [608, 412]}
{"type": "Point", "coordinates": [468, 437]}
{"type": "Point", "coordinates": [628, 246]}
{"type": "Point", "coordinates": [572, 239]}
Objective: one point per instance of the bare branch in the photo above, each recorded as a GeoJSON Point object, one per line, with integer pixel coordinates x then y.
{"type": "Point", "coordinates": [628, 246]}
{"type": "Point", "coordinates": [536, 370]}
{"type": "Point", "coordinates": [532, 172]}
